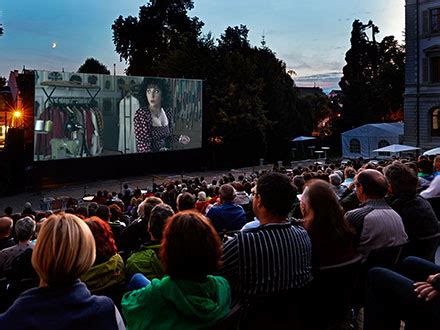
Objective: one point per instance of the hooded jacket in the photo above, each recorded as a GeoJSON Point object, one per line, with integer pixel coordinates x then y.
{"type": "Point", "coordinates": [105, 275]}
{"type": "Point", "coordinates": [177, 304]}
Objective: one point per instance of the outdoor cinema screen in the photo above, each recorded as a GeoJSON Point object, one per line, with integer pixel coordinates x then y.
{"type": "Point", "coordinates": [81, 115]}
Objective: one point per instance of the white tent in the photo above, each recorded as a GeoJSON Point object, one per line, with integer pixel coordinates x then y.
{"type": "Point", "coordinates": [396, 148]}
{"type": "Point", "coordinates": [363, 140]}
{"type": "Point", "coordinates": [434, 151]}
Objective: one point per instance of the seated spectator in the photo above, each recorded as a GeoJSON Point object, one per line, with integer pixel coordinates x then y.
{"type": "Point", "coordinates": [425, 173]}
{"type": "Point", "coordinates": [82, 212]}
{"type": "Point", "coordinates": [375, 223]}
{"type": "Point", "coordinates": [28, 210]}
{"type": "Point", "coordinates": [189, 297]}
{"type": "Point", "coordinates": [185, 201]}
{"type": "Point", "coordinates": [169, 196]}
{"type": "Point", "coordinates": [100, 198]}
{"type": "Point", "coordinates": [331, 236]}
{"type": "Point", "coordinates": [433, 189]}
{"type": "Point", "coordinates": [280, 257]}
{"type": "Point", "coordinates": [136, 233]}
{"type": "Point", "coordinates": [202, 202]}
{"type": "Point", "coordinates": [103, 212]}
{"type": "Point", "coordinates": [65, 250]}
{"type": "Point", "coordinates": [336, 181]}
{"type": "Point", "coordinates": [24, 230]}
{"type": "Point", "coordinates": [6, 240]}
{"type": "Point", "coordinates": [147, 260]}
{"type": "Point", "coordinates": [411, 295]}
{"type": "Point", "coordinates": [116, 224]}
{"type": "Point", "coordinates": [226, 215]}
{"type": "Point", "coordinates": [108, 269]}
{"type": "Point", "coordinates": [436, 166]}
{"type": "Point", "coordinates": [241, 197]}
{"type": "Point", "coordinates": [349, 174]}
{"type": "Point", "coordinates": [92, 208]}
{"type": "Point", "coordinates": [417, 214]}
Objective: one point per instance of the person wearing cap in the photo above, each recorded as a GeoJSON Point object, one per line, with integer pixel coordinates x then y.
{"type": "Point", "coordinates": [227, 215]}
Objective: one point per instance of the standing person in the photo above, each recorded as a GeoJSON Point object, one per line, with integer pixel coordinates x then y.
{"type": "Point", "coordinates": [153, 126]}
{"type": "Point", "coordinates": [65, 249]}
{"type": "Point", "coordinates": [331, 236]}
{"type": "Point", "coordinates": [189, 297]}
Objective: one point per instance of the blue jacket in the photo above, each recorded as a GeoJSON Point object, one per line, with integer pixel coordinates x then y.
{"type": "Point", "coordinates": [61, 308]}
{"type": "Point", "coordinates": [227, 216]}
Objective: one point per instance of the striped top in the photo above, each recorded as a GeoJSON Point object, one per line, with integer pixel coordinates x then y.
{"type": "Point", "coordinates": [267, 260]}
{"type": "Point", "coordinates": [376, 226]}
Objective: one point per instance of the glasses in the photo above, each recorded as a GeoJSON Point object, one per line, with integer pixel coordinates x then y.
{"type": "Point", "coordinates": [152, 91]}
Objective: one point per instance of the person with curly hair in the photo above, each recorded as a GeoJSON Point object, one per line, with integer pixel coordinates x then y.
{"type": "Point", "coordinates": [153, 126]}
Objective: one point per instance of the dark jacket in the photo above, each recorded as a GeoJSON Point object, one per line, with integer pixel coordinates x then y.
{"type": "Point", "coordinates": [61, 308]}
{"type": "Point", "coordinates": [227, 216]}
{"type": "Point", "coordinates": [417, 215]}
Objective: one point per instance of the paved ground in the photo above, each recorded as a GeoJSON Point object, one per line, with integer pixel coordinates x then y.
{"type": "Point", "coordinates": [78, 190]}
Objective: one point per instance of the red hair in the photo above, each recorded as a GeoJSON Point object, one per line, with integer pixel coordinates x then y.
{"type": "Point", "coordinates": [104, 240]}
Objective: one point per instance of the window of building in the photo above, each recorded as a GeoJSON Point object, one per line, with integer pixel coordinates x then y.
{"type": "Point", "coordinates": [435, 69]}
{"type": "Point", "coordinates": [355, 146]}
{"type": "Point", "coordinates": [381, 144]}
{"type": "Point", "coordinates": [435, 122]}
{"type": "Point", "coordinates": [434, 20]}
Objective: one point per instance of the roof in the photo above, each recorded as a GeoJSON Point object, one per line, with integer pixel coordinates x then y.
{"type": "Point", "coordinates": [379, 129]}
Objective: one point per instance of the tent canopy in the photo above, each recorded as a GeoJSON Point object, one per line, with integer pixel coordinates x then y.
{"type": "Point", "coordinates": [303, 138]}
{"type": "Point", "coordinates": [434, 151]}
{"type": "Point", "coordinates": [396, 148]}
{"type": "Point", "coordinates": [364, 140]}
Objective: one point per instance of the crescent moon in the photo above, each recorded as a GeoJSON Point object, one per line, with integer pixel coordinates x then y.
{"type": "Point", "coordinates": [54, 45]}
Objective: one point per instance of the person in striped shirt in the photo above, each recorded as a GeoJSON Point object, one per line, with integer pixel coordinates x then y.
{"type": "Point", "coordinates": [275, 257]}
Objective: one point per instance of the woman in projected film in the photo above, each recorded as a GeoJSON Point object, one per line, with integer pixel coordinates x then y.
{"type": "Point", "coordinates": [153, 126]}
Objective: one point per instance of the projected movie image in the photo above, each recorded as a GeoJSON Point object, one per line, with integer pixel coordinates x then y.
{"type": "Point", "coordinates": [89, 115]}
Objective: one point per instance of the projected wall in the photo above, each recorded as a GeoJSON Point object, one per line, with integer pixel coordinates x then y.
{"type": "Point", "coordinates": [88, 115]}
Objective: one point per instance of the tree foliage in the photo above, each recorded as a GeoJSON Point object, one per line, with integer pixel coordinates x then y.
{"type": "Point", "coordinates": [373, 78]}
{"type": "Point", "coordinates": [92, 65]}
{"type": "Point", "coordinates": [2, 81]}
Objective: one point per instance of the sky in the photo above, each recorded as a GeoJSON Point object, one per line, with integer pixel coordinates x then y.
{"type": "Point", "coordinates": [311, 36]}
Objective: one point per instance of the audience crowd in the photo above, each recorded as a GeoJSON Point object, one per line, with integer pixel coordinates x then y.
{"type": "Point", "coordinates": [302, 248]}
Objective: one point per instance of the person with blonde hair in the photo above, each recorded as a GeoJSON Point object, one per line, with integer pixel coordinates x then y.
{"type": "Point", "coordinates": [65, 249]}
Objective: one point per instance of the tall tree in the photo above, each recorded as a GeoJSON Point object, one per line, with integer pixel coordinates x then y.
{"type": "Point", "coordinates": [373, 78]}
{"type": "Point", "coordinates": [92, 65]}
{"type": "Point", "coordinates": [162, 26]}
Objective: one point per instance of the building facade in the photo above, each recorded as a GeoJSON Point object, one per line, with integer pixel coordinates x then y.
{"type": "Point", "coordinates": [422, 73]}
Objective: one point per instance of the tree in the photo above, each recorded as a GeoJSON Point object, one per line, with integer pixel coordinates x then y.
{"type": "Point", "coordinates": [2, 81]}
{"type": "Point", "coordinates": [373, 78]}
{"type": "Point", "coordinates": [162, 26]}
{"type": "Point", "coordinates": [92, 65]}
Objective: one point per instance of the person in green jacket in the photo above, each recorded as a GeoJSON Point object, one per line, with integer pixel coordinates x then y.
{"type": "Point", "coordinates": [188, 297]}
{"type": "Point", "coordinates": [146, 261]}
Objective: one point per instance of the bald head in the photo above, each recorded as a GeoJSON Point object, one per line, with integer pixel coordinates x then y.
{"type": "Point", "coordinates": [5, 226]}
{"type": "Point", "coordinates": [374, 184]}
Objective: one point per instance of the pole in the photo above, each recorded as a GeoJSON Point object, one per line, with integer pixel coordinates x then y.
{"type": "Point", "coordinates": [418, 80]}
